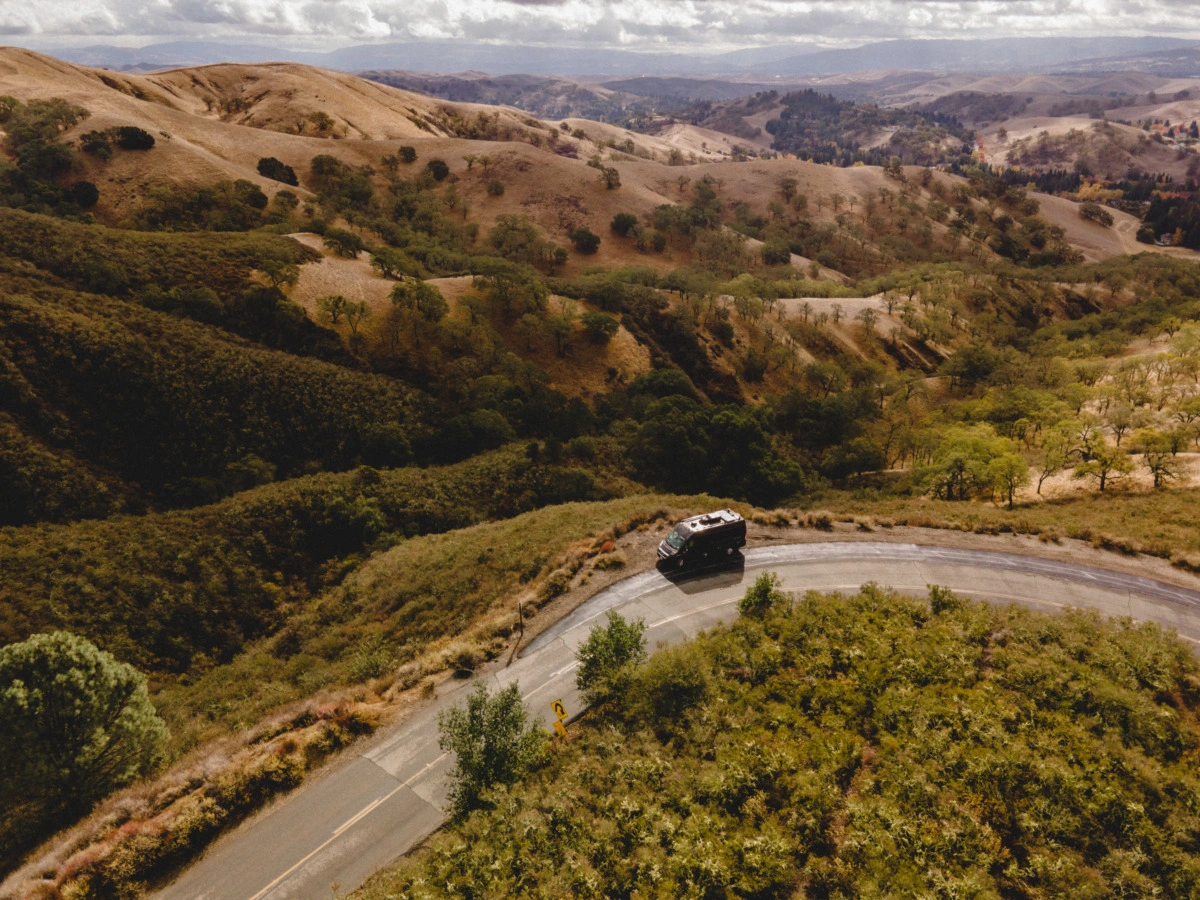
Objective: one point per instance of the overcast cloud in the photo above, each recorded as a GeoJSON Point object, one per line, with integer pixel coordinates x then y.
{"type": "Point", "coordinates": [633, 24]}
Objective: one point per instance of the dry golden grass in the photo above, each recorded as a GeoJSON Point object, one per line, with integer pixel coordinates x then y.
{"type": "Point", "coordinates": [354, 279]}
{"type": "Point", "coordinates": [1095, 241]}
{"type": "Point", "coordinates": [705, 143]}
{"type": "Point", "coordinates": [582, 373]}
{"type": "Point", "coordinates": [216, 122]}
{"type": "Point", "coordinates": [1159, 523]}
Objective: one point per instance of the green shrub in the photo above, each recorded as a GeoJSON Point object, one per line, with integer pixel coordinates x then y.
{"type": "Point", "coordinates": [130, 137]}
{"type": "Point", "coordinates": [77, 724]}
{"type": "Point", "coordinates": [763, 597]}
{"type": "Point", "coordinates": [673, 681]}
{"type": "Point", "coordinates": [1094, 212]}
{"type": "Point", "coordinates": [609, 656]}
{"type": "Point", "coordinates": [493, 744]}
{"type": "Point", "coordinates": [277, 170]}
{"type": "Point", "coordinates": [584, 240]}
{"type": "Point", "coordinates": [599, 327]}
{"type": "Point", "coordinates": [343, 243]}
{"type": "Point", "coordinates": [623, 223]}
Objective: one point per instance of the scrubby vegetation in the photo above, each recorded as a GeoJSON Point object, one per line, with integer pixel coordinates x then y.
{"type": "Point", "coordinates": [863, 745]}
{"type": "Point", "coordinates": [77, 725]}
{"type": "Point", "coordinates": [252, 504]}
{"type": "Point", "coordinates": [359, 630]}
{"type": "Point", "coordinates": [186, 589]}
{"type": "Point", "coordinates": [38, 174]}
{"type": "Point", "coordinates": [147, 408]}
{"type": "Point", "coordinates": [825, 129]}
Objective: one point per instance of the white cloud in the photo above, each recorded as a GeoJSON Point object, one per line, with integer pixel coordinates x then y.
{"type": "Point", "coordinates": [681, 23]}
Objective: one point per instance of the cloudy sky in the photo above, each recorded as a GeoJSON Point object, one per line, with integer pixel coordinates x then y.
{"type": "Point", "coordinates": [634, 24]}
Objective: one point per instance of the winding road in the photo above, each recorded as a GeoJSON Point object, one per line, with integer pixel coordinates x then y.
{"type": "Point", "coordinates": [334, 832]}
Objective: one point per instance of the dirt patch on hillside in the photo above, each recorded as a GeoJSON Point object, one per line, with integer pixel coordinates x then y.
{"type": "Point", "coordinates": [1064, 484]}
{"type": "Point", "coordinates": [353, 278]}
{"type": "Point", "coordinates": [586, 369]}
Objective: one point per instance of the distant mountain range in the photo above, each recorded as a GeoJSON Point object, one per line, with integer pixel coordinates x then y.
{"type": "Point", "coordinates": [555, 97]}
{"type": "Point", "coordinates": [436, 57]}
{"type": "Point", "coordinates": [1176, 62]}
{"type": "Point", "coordinates": [1002, 55]}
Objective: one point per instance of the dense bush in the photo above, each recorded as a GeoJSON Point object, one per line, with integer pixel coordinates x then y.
{"type": "Point", "coordinates": [277, 170]}
{"type": "Point", "coordinates": [1094, 212]}
{"type": "Point", "coordinates": [609, 657]}
{"type": "Point", "coordinates": [113, 261]}
{"type": "Point", "coordinates": [584, 240]}
{"type": "Point", "coordinates": [224, 206]}
{"type": "Point", "coordinates": [681, 446]}
{"type": "Point", "coordinates": [623, 223]}
{"type": "Point", "coordinates": [493, 744]}
{"type": "Point", "coordinates": [170, 405]}
{"type": "Point", "coordinates": [35, 181]}
{"type": "Point", "coordinates": [130, 137]}
{"type": "Point", "coordinates": [599, 327]}
{"type": "Point", "coordinates": [77, 724]}
{"type": "Point", "coordinates": [167, 591]}
{"type": "Point", "coordinates": [518, 239]}
{"type": "Point", "coordinates": [866, 745]}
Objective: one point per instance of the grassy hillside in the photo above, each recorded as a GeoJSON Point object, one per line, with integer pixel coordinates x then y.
{"type": "Point", "coordinates": [110, 404]}
{"type": "Point", "coordinates": [248, 726]}
{"type": "Point", "coordinates": [270, 472]}
{"type": "Point", "coordinates": [859, 746]}
{"type": "Point", "coordinates": [175, 591]}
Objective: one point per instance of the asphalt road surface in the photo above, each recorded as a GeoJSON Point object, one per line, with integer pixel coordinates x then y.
{"type": "Point", "coordinates": [329, 836]}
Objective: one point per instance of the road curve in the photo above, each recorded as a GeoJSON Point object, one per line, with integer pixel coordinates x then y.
{"type": "Point", "coordinates": [360, 815]}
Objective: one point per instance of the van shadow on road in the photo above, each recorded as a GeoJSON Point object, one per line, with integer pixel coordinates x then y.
{"type": "Point", "coordinates": [694, 579]}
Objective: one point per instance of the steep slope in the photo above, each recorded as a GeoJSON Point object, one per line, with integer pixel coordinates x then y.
{"type": "Point", "coordinates": [217, 122]}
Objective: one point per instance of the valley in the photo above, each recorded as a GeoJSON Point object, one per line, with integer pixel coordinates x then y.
{"type": "Point", "coordinates": [317, 389]}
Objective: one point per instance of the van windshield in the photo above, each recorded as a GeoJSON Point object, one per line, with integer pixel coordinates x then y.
{"type": "Point", "coordinates": [676, 540]}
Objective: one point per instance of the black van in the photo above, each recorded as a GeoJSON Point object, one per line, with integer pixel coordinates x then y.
{"type": "Point", "coordinates": [714, 535]}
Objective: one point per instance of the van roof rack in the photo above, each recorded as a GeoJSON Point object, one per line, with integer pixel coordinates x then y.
{"type": "Point", "coordinates": [717, 517]}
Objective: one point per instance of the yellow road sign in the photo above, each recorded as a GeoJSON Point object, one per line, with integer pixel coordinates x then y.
{"type": "Point", "coordinates": [559, 709]}
{"type": "Point", "coordinates": [560, 727]}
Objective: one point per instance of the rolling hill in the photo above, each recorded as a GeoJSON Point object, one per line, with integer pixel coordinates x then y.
{"type": "Point", "coordinates": [222, 392]}
{"type": "Point", "coordinates": [216, 122]}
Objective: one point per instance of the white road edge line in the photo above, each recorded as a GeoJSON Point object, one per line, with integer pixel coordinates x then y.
{"type": "Point", "coordinates": [365, 811]}
{"type": "Point", "coordinates": [349, 823]}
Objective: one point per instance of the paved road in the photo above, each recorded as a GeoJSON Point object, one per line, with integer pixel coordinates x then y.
{"type": "Point", "coordinates": [359, 816]}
